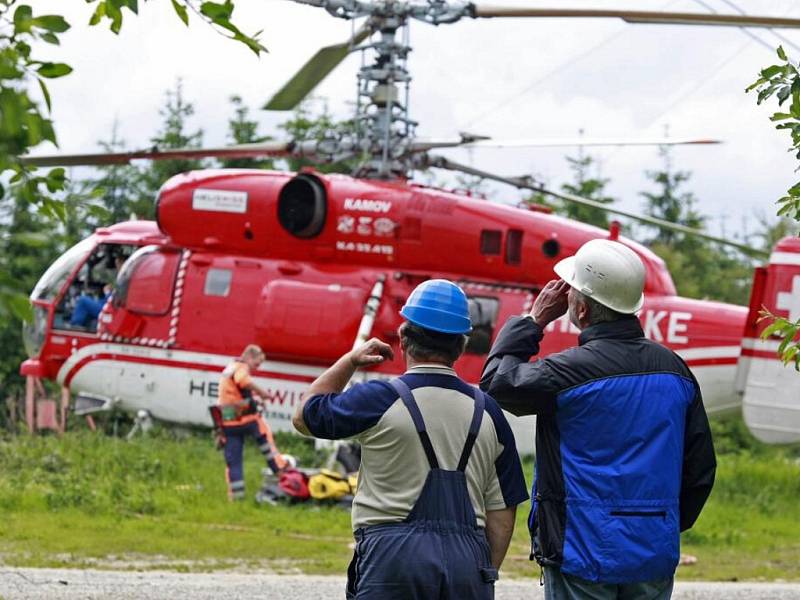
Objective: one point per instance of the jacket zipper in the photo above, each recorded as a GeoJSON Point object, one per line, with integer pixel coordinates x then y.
{"type": "Point", "coordinates": [638, 513]}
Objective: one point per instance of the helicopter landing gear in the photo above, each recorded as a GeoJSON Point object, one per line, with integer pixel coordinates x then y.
{"type": "Point", "coordinates": [142, 423]}
{"type": "Point", "coordinates": [42, 411]}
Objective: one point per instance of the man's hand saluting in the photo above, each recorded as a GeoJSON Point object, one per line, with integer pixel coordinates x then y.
{"type": "Point", "coordinates": [551, 303]}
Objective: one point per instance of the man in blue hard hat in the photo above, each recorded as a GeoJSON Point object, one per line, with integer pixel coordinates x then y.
{"type": "Point", "coordinates": [440, 477]}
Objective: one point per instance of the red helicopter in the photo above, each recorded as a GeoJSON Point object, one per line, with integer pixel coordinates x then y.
{"type": "Point", "coordinates": [307, 265]}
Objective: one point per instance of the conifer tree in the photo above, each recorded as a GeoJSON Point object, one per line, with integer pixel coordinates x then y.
{"type": "Point", "coordinates": [173, 134]}
{"type": "Point", "coordinates": [244, 130]}
{"type": "Point", "coordinates": [588, 186]}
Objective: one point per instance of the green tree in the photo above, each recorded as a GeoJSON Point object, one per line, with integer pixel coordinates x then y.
{"type": "Point", "coordinates": [29, 242]}
{"type": "Point", "coordinates": [307, 124]}
{"type": "Point", "coordinates": [698, 268]}
{"type": "Point", "coordinates": [173, 134]}
{"type": "Point", "coordinates": [586, 185]}
{"type": "Point", "coordinates": [118, 187]}
{"type": "Point", "coordinates": [771, 231]}
{"type": "Point", "coordinates": [244, 130]}
{"type": "Point", "coordinates": [25, 119]}
{"type": "Point", "coordinates": [669, 202]}
{"type": "Point", "coordinates": [782, 81]}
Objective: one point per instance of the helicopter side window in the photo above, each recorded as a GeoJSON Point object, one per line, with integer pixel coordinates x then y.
{"type": "Point", "coordinates": [483, 314]}
{"type": "Point", "coordinates": [218, 282]}
{"type": "Point", "coordinates": [514, 247]}
{"type": "Point", "coordinates": [490, 242]}
{"type": "Point", "coordinates": [146, 281]}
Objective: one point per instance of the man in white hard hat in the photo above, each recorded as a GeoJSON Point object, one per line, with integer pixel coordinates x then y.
{"type": "Point", "coordinates": [624, 456]}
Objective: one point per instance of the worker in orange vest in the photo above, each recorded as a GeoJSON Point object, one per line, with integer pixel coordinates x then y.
{"type": "Point", "coordinates": [241, 419]}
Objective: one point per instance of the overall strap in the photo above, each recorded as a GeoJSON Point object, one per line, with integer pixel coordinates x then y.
{"type": "Point", "coordinates": [408, 399]}
{"type": "Point", "coordinates": [474, 428]}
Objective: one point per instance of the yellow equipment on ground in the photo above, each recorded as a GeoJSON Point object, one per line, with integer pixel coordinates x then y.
{"type": "Point", "coordinates": [330, 485]}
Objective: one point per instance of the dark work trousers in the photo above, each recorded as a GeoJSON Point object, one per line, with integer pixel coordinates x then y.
{"type": "Point", "coordinates": [560, 586]}
{"type": "Point", "coordinates": [438, 552]}
{"type": "Point", "coordinates": [234, 449]}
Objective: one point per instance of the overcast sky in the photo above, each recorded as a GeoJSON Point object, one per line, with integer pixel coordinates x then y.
{"type": "Point", "coordinates": [509, 78]}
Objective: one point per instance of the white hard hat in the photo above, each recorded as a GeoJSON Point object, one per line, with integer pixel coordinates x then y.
{"type": "Point", "coordinates": [608, 272]}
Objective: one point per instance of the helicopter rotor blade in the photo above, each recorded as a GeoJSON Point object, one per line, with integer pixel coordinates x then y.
{"type": "Point", "coordinates": [529, 184]}
{"type": "Point", "coordinates": [637, 16]}
{"type": "Point", "coordinates": [570, 141]}
{"type": "Point", "coordinates": [314, 71]}
{"type": "Point", "coordinates": [472, 142]}
{"type": "Point", "coordinates": [582, 141]}
{"type": "Point", "coordinates": [256, 150]}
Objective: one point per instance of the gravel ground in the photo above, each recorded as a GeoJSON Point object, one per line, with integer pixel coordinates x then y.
{"type": "Point", "coordinates": [73, 584]}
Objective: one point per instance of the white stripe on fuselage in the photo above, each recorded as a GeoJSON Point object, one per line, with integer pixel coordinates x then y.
{"type": "Point", "coordinates": [759, 344]}
{"type": "Point", "coordinates": [709, 352]}
{"type": "Point", "coordinates": [784, 258]}
{"type": "Point", "coordinates": [181, 356]}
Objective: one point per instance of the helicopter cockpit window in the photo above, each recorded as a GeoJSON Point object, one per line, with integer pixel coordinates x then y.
{"type": "Point", "coordinates": [56, 276]}
{"type": "Point", "coordinates": [146, 281]}
{"type": "Point", "coordinates": [490, 242]}
{"type": "Point", "coordinates": [483, 314]}
{"type": "Point", "coordinates": [90, 288]}
{"type": "Point", "coordinates": [218, 282]}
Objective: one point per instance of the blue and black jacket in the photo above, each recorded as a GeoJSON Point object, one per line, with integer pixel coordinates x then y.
{"type": "Point", "coordinates": [624, 456]}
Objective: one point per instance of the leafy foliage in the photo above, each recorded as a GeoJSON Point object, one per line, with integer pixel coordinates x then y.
{"type": "Point", "coordinates": [244, 130]}
{"type": "Point", "coordinates": [173, 134]}
{"type": "Point", "coordinates": [585, 185]}
{"type": "Point", "coordinates": [28, 244]}
{"type": "Point", "coordinates": [699, 269]}
{"type": "Point", "coordinates": [670, 204]}
{"type": "Point", "coordinates": [588, 186]}
{"type": "Point", "coordinates": [787, 331]}
{"type": "Point", "coordinates": [782, 80]}
{"type": "Point", "coordinates": [306, 124]}
{"type": "Point", "coordinates": [25, 124]}
{"type": "Point", "coordinates": [118, 186]}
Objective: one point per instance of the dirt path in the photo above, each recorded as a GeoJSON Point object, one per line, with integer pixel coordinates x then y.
{"type": "Point", "coordinates": [73, 584]}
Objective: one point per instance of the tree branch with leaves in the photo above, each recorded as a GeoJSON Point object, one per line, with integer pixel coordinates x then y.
{"type": "Point", "coordinates": [782, 81]}
{"type": "Point", "coordinates": [25, 120]}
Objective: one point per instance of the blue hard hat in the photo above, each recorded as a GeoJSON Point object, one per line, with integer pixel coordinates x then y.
{"type": "Point", "coordinates": [438, 305]}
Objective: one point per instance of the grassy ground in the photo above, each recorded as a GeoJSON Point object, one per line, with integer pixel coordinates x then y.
{"type": "Point", "coordinates": [91, 500]}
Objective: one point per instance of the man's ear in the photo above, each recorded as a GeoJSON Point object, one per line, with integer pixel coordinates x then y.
{"type": "Point", "coordinates": [584, 311]}
{"type": "Point", "coordinates": [402, 337]}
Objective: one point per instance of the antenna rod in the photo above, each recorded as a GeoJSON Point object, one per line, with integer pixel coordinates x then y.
{"type": "Point", "coordinates": [529, 183]}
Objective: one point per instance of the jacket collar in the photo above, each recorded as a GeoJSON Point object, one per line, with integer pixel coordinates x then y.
{"type": "Point", "coordinates": [626, 328]}
{"type": "Point", "coordinates": [432, 369]}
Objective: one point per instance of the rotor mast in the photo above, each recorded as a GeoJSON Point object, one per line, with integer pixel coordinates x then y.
{"type": "Point", "coordinates": [383, 130]}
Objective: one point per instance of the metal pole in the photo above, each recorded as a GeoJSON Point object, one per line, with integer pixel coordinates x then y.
{"type": "Point", "coordinates": [528, 184]}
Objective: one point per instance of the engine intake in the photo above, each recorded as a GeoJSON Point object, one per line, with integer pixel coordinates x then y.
{"type": "Point", "coordinates": [303, 206]}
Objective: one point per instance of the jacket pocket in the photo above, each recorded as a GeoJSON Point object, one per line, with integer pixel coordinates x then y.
{"type": "Point", "coordinates": [640, 543]}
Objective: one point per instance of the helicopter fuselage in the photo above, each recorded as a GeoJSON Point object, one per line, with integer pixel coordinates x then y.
{"type": "Point", "coordinates": [304, 266]}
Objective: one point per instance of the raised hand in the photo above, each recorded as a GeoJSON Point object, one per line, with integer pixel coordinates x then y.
{"type": "Point", "coordinates": [372, 352]}
{"type": "Point", "coordinates": [551, 303]}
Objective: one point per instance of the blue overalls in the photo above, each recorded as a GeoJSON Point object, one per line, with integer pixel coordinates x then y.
{"type": "Point", "coordinates": [438, 552]}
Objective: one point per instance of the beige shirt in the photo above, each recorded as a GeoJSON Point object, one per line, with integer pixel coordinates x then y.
{"type": "Point", "coordinates": [393, 463]}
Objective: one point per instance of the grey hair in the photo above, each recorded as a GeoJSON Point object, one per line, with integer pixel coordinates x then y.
{"type": "Point", "coordinates": [598, 313]}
